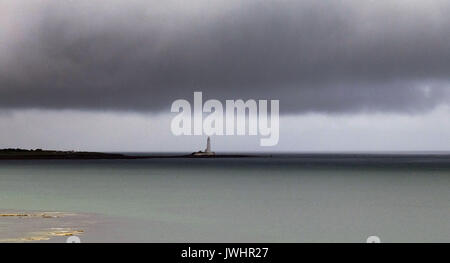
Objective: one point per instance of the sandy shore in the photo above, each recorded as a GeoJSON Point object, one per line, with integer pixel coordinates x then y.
{"type": "Point", "coordinates": [37, 226]}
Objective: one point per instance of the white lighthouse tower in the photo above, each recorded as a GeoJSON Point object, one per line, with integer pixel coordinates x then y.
{"type": "Point", "coordinates": [208, 145]}
{"type": "Point", "coordinates": [207, 151]}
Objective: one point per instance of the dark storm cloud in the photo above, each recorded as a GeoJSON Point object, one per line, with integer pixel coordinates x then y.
{"type": "Point", "coordinates": [327, 56]}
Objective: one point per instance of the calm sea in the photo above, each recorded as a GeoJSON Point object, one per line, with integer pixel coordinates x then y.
{"type": "Point", "coordinates": [283, 198]}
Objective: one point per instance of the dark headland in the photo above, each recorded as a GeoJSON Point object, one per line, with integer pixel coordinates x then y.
{"type": "Point", "coordinates": [39, 154]}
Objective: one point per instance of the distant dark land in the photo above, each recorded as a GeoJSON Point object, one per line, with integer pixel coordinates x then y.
{"type": "Point", "coordinates": [23, 154]}
{"type": "Point", "coordinates": [400, 160]}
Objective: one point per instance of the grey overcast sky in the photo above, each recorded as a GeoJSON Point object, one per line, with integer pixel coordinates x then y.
{"type": "Point", "coordinates": [351, 75]}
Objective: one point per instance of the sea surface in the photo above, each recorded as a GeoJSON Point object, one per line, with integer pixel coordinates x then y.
{"type": "Point", "coordinates": [272, 198]}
